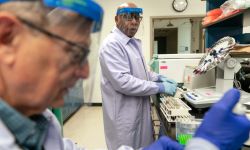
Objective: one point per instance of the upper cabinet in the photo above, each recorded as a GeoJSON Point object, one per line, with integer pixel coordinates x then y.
{"type": "Point", "coordinates": [228, 25]}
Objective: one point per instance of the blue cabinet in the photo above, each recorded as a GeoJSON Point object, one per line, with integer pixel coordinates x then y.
{"type": "Point", "coordinates": [228, 26]}
{"type": "Point", "coordinates": [235, 25]}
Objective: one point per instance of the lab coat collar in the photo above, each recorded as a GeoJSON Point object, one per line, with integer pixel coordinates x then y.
{"type": "Point", "coordinates": [121, 36]}
{"type": "Point", "coordinates": [29, 132]}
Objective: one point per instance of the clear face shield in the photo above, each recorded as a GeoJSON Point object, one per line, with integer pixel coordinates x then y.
{"type": "Point", "coordinates": [74, 23]}
{"type": "Point", "coordinates": [91, 39]}
{"type": "Point", "coordinates": [90, 47]}
{"type": "Point", "coordinates": [82, 19]}
{"type": "Point", "coordinates": [129, 20]}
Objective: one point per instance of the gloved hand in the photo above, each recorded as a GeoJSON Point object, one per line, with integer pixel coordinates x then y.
{"type": "Point", "coordinates": [166, 79]}
{"type": "Point", "coordinates": [164, 143]}
{"type": "Point", "coordinates": [169, 88]}
{"type": "Point", "coordinates": [222, 127]}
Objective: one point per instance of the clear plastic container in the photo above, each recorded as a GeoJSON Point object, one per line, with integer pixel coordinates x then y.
{"type": "Point", "coordinates": [185, 130]}
{"type": "Point", "coordinates": [232, 5]}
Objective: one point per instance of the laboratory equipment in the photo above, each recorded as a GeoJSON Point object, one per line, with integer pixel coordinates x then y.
{"type": "Point", "coordinates": [226, 69]}
{"type": "Point", "coordinates": [225, 78]}
{"type": "Point", "coordinates": [193, 81]}
{"type": "Point", "coordinates": [173, 65]}
{"type": "Point", "coordinates": [174, 109]}
{"type": "Point", "coordinates": [218, 52]}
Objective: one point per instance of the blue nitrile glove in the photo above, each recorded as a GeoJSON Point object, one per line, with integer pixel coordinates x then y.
{"type": "Point", "coordinates": [167, 88]}
{"type": "Point", "coordinates": [222, 127]}
{"type": "Point", "coordinates": [164, 143]}
{"type": "Point", "coordinates": [162, 78]}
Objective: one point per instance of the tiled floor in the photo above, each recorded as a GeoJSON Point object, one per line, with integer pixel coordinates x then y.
{"type": "Point", "coordinates": [85, 127]}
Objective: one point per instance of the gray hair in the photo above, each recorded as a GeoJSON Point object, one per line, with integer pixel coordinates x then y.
{"type": "Point", "coordinates": [37, 13]}
{"type": "Point", "coordinates": [33, 11]}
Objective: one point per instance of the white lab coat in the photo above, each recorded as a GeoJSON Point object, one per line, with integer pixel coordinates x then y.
{"type": "Point", "coordinates": [53, 140]}
{"type": "Point", "coordinates": [126, 85]}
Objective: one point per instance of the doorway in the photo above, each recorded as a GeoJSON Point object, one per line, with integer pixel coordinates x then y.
{"type": "Point", "coordinates": [166, 40]}
{"type": "Point", "coordinates": [182, 35]}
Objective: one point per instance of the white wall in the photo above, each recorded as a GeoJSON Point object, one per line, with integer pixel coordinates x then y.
{"type": "Point", "coordinates": [151, 8]}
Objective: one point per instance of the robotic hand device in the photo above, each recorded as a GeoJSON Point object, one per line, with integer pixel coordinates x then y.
{"type": "Point", "coordinates": [217, 54]}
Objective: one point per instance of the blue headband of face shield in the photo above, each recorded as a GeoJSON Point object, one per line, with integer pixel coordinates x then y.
{"type": "Point", "coordinates": [129, 11]}
{"type": "Point", "coordinates": [86, 8]}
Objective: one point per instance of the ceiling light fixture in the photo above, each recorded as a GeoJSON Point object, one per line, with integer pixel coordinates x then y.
{"type": "Point", "coordinates": [170, 24]}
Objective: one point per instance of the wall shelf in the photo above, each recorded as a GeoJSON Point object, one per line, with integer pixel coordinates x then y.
{"type": "Point", "coordinates": [229, 18]}
{"type": "Point", "coordinates": [231, 25]}
{"type": "Point", "coordinates": [235, 25]}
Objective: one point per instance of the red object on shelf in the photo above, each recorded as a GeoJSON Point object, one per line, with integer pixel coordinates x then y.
{"type": "Point", "coordinates": [209, 19]}
{"type": "Point", "coordinates": [212, 15]}
{"type": "Point", "coordinates": [222, 17]}
{"type": "Point", "coordinates": [214, 12]}
{"type": "Point", "coordinates": [231, 13]}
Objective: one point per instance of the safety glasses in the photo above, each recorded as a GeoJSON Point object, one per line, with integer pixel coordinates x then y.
{"type": "Point", "coordinates": [131, 16]}
{"type": "Point", "coordinates": [79, 52]}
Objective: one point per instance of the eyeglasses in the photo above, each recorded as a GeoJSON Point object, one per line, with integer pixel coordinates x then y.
{"type": "Point", "coordinates": [130, 17]}
{"type": "Point", "coordinates": [79, 52]}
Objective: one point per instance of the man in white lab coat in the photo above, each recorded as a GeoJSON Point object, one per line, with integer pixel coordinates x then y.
{"type": "Point", "coordinates": [43, 50]}
{"type": "Point", "coordinates": [126, 83]}
{"type": "Point", "coordinates": [42, 53]}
